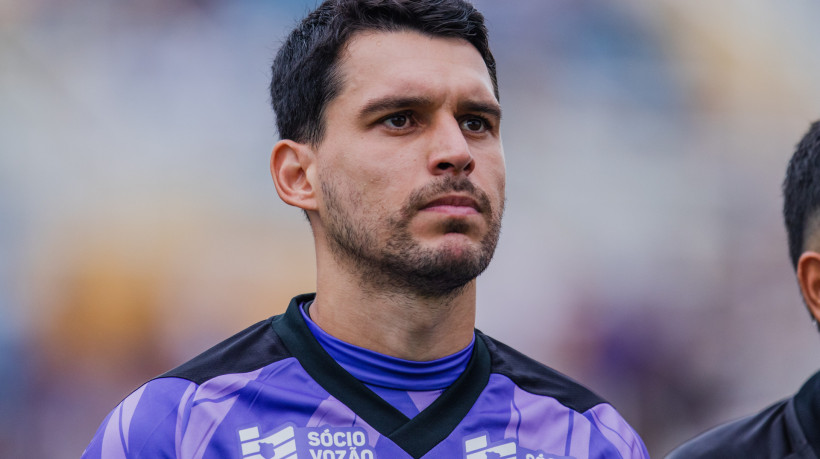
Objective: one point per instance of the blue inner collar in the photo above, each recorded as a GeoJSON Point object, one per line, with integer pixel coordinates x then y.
{"type": "Point", "coordinates": [382, 370]}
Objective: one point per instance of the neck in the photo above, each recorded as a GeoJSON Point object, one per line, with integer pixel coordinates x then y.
{"type": "Point", "coordinates": [394, 323]}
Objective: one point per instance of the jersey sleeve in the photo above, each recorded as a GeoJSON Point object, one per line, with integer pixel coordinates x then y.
{"type": "Point", "coordinates": [147, 424]}
{"type": "Point", "coordinates": [616, 432]}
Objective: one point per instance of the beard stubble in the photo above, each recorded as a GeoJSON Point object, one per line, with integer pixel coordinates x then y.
{"type": "Point", "coordinates": [400, 263]}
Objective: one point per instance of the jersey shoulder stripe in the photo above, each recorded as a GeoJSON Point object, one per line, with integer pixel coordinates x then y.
{"type": "Point", "coordinates": [251, 349]}
{"type": "Point", "coordinates": [537, 378]}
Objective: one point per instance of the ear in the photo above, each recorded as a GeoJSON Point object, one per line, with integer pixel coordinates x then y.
{"type": "Point", "coordinates": [291, 166]}
{"type": "Point", "coordinates": [808, 274]}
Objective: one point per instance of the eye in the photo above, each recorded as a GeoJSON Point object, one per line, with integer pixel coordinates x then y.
{"type": "Point", "coordinates": [398, 121]}
{"type": "Point", "coordinates": [475, 124]}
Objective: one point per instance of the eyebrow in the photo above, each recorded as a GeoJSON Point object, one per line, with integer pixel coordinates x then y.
{"type": "Point", "coordinates": [491, 109]}
{"type": "Point", "coordinates": [390, 103]}
{"type": "Point", "coordinates": [393, 103]}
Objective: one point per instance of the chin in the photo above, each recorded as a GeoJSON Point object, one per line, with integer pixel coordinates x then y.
{"type": "Point", "coordinates": [460, 251]}
{"type": "Point", "coordinates": [457, 244]}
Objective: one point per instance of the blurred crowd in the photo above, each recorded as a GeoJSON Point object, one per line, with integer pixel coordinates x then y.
{"type": "Point", "coordinates": [642, 253]}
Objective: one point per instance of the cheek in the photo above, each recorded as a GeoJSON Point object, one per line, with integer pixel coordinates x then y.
{"type": "Point", "coordinates": [379, 195]}
{"type": "Point", "coordinates": [495, 177]}
{"type": "Point", "coordinates": [494, 186]}
{"type": "Point", "coordinates": [383, 185]}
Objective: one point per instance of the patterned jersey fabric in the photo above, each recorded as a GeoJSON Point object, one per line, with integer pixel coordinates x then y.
{"type": "Point", "coordinates": [273, 392]}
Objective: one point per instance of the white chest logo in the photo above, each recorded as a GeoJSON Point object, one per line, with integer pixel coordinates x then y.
{"type": "Point", "coordinates": [291, 442]}
{"type": "Point", "coordinates": [479, 447]}
{"type": "Point", "coordinates": [280, 444]}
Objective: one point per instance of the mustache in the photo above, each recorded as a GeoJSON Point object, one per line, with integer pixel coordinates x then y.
{"type": "Point", "coordinates": [449, 183]}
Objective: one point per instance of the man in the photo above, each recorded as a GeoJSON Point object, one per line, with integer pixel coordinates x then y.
{"type": "Point", "coordinates": [790, 428]}
{"type": "Point", "coordinates": [389, 118]}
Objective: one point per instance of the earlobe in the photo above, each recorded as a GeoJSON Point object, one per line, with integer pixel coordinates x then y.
{"type": "Point", "coordinates": [290, 166]}
{"type": "Point", "coordinates": [808, 274]}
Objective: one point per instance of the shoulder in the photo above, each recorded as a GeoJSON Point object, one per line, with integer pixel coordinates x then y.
{"type": "Point", "coordinates": [146, 419]}
{"type": "Point", "coordinates": [246, 351]}
{"type": "Point", "coordinates": [537, 378]}
{"type": "Point", "coordinates": [251, 349]}
{"type": "Point", "coordinates": [763, 434]}
{"type": "Point", "coordinates": [545, 387]}
{"type": "Point", "coordinates": [146, 423]}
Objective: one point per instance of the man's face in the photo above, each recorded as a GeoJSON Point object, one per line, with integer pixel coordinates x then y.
{"type": "Point", "coordinates": [411, 166]}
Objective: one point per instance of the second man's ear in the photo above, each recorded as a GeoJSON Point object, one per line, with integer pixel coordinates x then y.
{"type": "Point", "coordinates": [292, 166]}
{"type": "Point", "coordinates": [808, 274]}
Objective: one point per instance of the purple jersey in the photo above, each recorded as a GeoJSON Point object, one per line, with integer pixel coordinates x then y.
{"type": "Point", "coordinates": [273, 392]}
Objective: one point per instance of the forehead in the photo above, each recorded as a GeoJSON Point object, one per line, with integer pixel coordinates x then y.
{"type": "Point", "coordinates": [375, 64]}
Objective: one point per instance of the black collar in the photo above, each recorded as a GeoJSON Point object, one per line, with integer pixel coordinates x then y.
{"type": "Point", "coordinates": [417, 436]}
{"type": "Point", "coordinates": [807, 406]}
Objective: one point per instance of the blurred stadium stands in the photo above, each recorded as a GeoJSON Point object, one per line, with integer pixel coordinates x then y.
{"type": "Point", "coordinates": [642, 253]}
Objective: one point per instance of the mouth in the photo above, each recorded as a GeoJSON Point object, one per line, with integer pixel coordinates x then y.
{"type": "Point", "coordinates": [453, 205]}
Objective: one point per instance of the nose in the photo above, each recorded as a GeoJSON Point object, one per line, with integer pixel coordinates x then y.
{"type": "Point", "coordinates": [450, 152]}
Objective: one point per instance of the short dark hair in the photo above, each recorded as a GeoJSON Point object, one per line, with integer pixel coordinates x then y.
{"type": "Point", "coordinates": [305, 74]}
{"type": "Point", "coordinates": [801, 191]}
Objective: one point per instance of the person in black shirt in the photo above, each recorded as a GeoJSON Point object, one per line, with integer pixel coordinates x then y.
{"type": "Point", "coordinates": [789, 428]}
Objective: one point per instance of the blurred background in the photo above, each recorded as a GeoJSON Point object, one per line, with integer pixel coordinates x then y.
{"type": "Point", "coordinates": [642, 253]}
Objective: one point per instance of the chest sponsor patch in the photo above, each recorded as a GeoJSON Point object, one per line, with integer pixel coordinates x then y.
{"type": "Point", "coordinates": [291, 442]}
{"type": "Point", "coordinates": [479, 447]}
